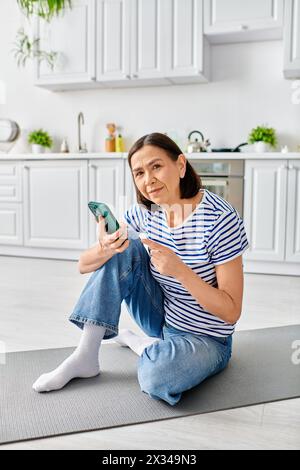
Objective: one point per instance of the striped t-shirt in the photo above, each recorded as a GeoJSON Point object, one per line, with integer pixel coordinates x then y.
{"type": "Point", "coordinates": [212, 234]}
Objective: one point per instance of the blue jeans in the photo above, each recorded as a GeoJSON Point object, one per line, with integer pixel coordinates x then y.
{"type": "Point", "coordinates": [169, 367]}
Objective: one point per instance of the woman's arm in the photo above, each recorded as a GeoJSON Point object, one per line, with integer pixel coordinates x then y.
{"type": "Point", "coordinates": [92, 259]}
{"type": "Point", "coordinates": [108, 245]}
{"type": "Point", "coordinates": [225, 301]}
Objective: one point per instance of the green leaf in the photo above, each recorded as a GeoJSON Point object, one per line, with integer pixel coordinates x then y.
{"type": "Point", "coordinates": [45, 9]}
{"type": "Point", "coordinates": [40, 137]}
{"type": "Point", "coordinates": [264, 134]}
{"type": "Point", "coordinates": [26, 49]}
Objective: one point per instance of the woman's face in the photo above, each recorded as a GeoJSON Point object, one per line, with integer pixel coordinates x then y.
{"type": "Point", "coordinates": [153, 170]}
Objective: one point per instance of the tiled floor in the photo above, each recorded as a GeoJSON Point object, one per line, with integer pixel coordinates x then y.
{"type": "Point", "coordinates": [37, 297]}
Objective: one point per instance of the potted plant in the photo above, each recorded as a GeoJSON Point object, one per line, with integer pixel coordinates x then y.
{"type": "Point", "coordinates": [40, 140]}
{"type": "Point", "coordinates": [263, 138]}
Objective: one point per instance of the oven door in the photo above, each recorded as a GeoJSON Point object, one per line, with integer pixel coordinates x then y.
{"type": "Point", "coordinates": [229, 188]}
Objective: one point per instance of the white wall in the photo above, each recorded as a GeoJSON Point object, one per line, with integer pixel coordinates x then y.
{"type": "Point", "coordinates": [247, 89]}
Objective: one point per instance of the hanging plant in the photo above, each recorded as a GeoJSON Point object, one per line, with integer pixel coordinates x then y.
{"type": "Point", "coordinates": [45, 9]}
{"type": "Point", "coordinates": [27, 48]}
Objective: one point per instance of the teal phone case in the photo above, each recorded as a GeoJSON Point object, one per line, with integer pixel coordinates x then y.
{"type": "Point", "coordinates": [99, 208]}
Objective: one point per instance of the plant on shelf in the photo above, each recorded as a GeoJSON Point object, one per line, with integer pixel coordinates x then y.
{"type": "Point", "coordinates": [39, 140]}
{"type": "Point", "coordinates": [263, 138]}
{"type": "Point", "coordinates": [27, 47]}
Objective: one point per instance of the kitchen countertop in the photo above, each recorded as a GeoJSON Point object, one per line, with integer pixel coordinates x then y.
{"type": "Point", "coordinates": [114, 155]}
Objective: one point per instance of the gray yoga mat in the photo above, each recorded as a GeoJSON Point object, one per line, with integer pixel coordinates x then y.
{"type": "Point", "coordinates": [260, 370]}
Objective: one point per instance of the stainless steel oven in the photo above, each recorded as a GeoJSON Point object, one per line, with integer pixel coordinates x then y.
{"type": "Point", "coordinates": [223, 177]}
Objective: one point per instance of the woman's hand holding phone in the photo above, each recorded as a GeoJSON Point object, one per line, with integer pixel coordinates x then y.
{"type": "Point", "coordinates": [113, 243]}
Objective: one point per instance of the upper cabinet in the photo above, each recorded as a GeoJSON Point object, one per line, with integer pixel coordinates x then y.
{"type": "Point", "coordinates": [167, 42]}
{"type": "Point", "coordinates": [113, 40]}
{"type": "Point", "coordinates": [187, 58]}
{"type": "Point", "coordinates": [126, 43]}
{"type": "Point", "coordinates": [243, 20]}
{"type": "Point", "coordinates": [131, 48]}
{"type": "Point", "coordinates": [149, 49]}
{"type": "Point", "coordinates": [292, 39]}
{"type": "Point", "coordinates": [72, 36]}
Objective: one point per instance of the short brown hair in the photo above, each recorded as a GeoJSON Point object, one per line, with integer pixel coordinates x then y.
{"type": "Point", "coordinates": [189, 185]}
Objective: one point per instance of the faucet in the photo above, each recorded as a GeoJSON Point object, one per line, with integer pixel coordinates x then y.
{"type": "Point", "coordinates": [80, 120]}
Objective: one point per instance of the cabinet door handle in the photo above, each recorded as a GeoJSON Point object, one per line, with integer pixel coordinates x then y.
{"type": "Point", "coordinates": [92, 166]}
{"type": "Point", "coordinates": [127, 76]}
{"type": "Point", "coordinates": [135, 75]}
{"type": "Point", "coordinates": [26, 167]}
{"type": "Point", "coordinates": [244, 27]}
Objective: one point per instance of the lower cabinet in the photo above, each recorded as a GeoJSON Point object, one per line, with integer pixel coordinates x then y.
{"type": "Point", "coordinates": [129, 186]}
{"type": "Point", "coordinates": [11, 224]}
{"type": "Point", "coordinates": [44, 204]}
{"type": "Point", "coordinates": [292, 253]}
{"type": "Point", "coordinates": [44, 211]}
{"type": "Point", "coordinates": [55, 195]}
{"type": "Point", "coordinates": [106, 184]}
{"type": "Point", "coordinates": [272, 216]}
{"type": "Point", "coordinates": [11, 216]}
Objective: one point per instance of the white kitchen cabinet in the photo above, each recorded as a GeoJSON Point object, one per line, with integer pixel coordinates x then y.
{"type": "Point", "coordinates": [265, 209]}
{"type": "Point", "coordinates": [55, 198]}
{"type": "Point", "coordinates": [125, 43]}
{"type": "Point", "coordinates": [150, 42]}
{"type": "Point", "coordinates": [187, 56]}
{"type": "Point", "coordinates": [106, 184]}
{"type": "Point", "coordinates": [11, 220]}
{"type": "Point", "coordinates": [293, 213]}
{"type": "Point", "coordinates": [167, 43]}
{"type": "Point", "coordinates": [130, 42]}
{"type": "Point", "coordinates": [10, 182]}
{"type": "Point", "coordinates": [272, 216]}
{"type": "Point", "coordinates": [243, 20]}
{"type": "Point", "coordinates": [292, 39]}
{"type": "Point", "coordinates": [148, 51]}
{"type": "Point", "coordinates": [44, 212]}
{"type": "Point", "coordinates": [11, 232]}
{"type": "Point", "coordinates": [129, 186]}
{"type": "Point", "coordinates": [73, 36]}
{"type": "Point", "coordinates": [113, 40]}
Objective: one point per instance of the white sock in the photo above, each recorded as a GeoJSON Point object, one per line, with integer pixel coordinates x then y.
{"type": "Point", "coordinates": [83, 362]}
{"type": "Point", "coordinates": [133, 341]}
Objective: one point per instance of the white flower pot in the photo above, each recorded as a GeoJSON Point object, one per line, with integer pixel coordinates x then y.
{"type": "Point", "coordinates": [37, 148]}
{"type": "Point", "coordinates": [261, 147]}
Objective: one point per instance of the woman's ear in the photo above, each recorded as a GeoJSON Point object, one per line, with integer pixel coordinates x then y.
{"type": "Point", "coordinates": [182, 165]}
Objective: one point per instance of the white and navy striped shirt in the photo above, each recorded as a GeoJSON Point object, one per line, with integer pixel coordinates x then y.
{"type": "Point", "coordinates": [212, 234]}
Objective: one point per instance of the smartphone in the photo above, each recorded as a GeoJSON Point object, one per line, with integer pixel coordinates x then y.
{"type": "Point", "coordinates": [111, 223]}
{"type": "Point", "coordinates": [99, 208]}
